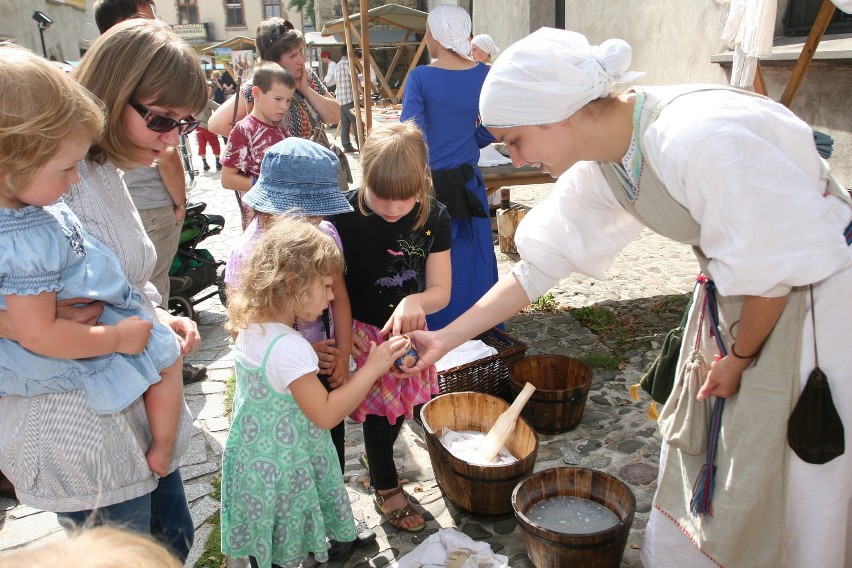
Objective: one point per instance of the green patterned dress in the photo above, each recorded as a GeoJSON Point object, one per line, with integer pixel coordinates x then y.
{"type": "Point", "coordinates": [282, 490]}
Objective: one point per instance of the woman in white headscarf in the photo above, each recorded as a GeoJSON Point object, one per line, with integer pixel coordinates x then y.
{"type": "Point", "coordinates": [737, 176]}
{"type": "Point", "coordinates": [483, 48]}
{"type": "Point", "coordinates": [443, 99]}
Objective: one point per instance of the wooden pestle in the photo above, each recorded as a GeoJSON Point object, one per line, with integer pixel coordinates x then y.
{"type": "Point", "coordinates": [504, 425]}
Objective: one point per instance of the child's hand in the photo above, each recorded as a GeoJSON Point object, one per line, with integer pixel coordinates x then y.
{"type": "Point", "coordinates": [340, 373]}
{"type": "Point", "coordinates": [408, 316]}
{"type": "Point", "coordinates": [133, 334]}
{"type": "Point", "coordinates": [382, 356]}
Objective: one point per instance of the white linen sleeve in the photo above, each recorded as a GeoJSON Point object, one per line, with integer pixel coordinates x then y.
{"type": "Point", "coordinates": [580, 227]}
{"type": "Point", "coordinates": [291, 357]}
{"type": "Point", "coordinates": [749, 175]}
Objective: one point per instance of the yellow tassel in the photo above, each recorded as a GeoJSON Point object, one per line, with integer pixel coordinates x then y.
{"type": "Point", "coordinates": [652, 411]}
{"type": "Point", "coordinates": [634, 392]}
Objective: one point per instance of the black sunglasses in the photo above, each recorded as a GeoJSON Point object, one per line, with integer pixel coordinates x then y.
{"type": "Point", "coordinates": [279, 31]}
{"type": "Point", "coordinates": [163, 124]}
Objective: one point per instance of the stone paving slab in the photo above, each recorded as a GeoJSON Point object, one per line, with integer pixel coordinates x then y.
{"type": "Point", "coordinates": [614, 435]}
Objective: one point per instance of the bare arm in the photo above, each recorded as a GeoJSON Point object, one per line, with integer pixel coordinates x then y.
{"type": "Point", "coordinates": [171, 171]}
{"type": "Point", "coordinates": [35, 325]}
{"type": "Point", "coordinates": [222, 120]}
{"type": "Point", "coordinates": [410, 313]}
{"type": "Point", "coordinates": [326, 409]}
{"type": "Point", "coordinates": [504, 299]}
{"type": "Point", "coordinates": [231, 178]}
{"type": "Point", "coordinates": [757, 320]}
{"type": "Point", "coordinates": [81, 310]}
{"type": "Point", "coordinates": [341, 310]}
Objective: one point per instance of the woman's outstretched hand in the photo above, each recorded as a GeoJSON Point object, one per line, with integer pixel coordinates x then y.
{"type": "Point", "coordinates": [430, 347]}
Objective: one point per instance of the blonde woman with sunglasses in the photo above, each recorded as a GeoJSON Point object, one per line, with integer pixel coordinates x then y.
{"type": "Point", "coordinates": [60, 454]}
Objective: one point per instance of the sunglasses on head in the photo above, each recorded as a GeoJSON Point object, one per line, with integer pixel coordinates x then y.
{"type": "Point", "coordinates": [163, 124]}
{"type": "Point", "coordinates": [279, 31]}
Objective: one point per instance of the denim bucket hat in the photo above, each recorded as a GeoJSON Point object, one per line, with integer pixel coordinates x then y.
{"type": "Point", "coordinates": [298, 174]}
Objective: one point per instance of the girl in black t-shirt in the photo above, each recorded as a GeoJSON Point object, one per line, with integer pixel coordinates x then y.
{"type": "Point", "coordinates": [397, 249]}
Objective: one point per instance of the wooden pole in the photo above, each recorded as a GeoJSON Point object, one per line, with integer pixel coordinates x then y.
{"type": "Point", "coordinates": [353, 73]}
{"type": "Point", "coordinates": [413, 64]}
{"type": "Point", "coordinates": [807, 55]}
{"type": "Point", "coordinates": [759, 83]}
{"type": "Point", "coordinates": [365, 48]}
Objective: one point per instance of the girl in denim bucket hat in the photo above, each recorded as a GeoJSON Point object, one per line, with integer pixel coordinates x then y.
{"type": "Point", "coordinates": [299, 177]}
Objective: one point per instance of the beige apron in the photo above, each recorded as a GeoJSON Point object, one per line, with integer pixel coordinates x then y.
{"type": "Point", "coordinates": [749, 502]}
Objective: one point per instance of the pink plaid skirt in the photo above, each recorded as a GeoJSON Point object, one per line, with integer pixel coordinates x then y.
{"type": "Point", "coordinates": [390, 396]}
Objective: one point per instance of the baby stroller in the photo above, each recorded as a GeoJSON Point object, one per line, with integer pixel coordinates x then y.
{"type": "Point", "coordinates": [195, 275]}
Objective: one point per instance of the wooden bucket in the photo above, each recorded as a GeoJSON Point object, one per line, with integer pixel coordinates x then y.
{"type": "Point", "coordinates": [546, 548]}
{"type": "Point", "coordinates": [562, 386]}
{"type": "Point", "coordinates": [484, 490]}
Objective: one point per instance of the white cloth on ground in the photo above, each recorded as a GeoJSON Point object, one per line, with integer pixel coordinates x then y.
{"type": "Point", "coordinates": [439, 548]}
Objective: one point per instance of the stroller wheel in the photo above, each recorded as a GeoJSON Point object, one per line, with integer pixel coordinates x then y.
{"type": "Point", "coordinates": [181, 306]}
{"type": "Point", "coordinates": [223, 289]}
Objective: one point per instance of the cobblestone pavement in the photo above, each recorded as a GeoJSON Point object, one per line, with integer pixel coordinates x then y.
{"type": "Point", "coordinates": [641, 288]}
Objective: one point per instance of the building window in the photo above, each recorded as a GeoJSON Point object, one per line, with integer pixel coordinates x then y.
{"type": "Point", "coordinates": [801, 14]}
{"type": "Point", "coordinates": [234, 14]}
{"type": "Point", "coordinates": [187, 11]}
{"type": "Point", "coordinates": [271, 9]}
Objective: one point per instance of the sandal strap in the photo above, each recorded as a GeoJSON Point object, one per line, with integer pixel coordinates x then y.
{"type": "Point", "coordinates": [401, 513]}
{"type": "Point", "coordinates": [382, 498]}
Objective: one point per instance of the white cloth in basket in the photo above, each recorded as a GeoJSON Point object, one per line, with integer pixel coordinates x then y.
{"type": "Point", "coordinates": [465, 353]}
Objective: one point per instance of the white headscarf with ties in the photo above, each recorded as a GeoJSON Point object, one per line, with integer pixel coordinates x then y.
{"type": "Point", "coordinates": [485, 43]}
{"type": "Point", "coordinates": [450, 26]}
{"type": "Point", "coordinates": [549, 75]}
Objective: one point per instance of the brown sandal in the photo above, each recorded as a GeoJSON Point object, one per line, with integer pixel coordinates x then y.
{"type": "Point", "coordinates": [395, 517]}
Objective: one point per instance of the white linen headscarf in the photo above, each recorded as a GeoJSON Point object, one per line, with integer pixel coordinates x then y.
{"type": "Point", "coordinates": [549, 75]}
{"type": "Point", "coordinates": [450, 26]}
{"type": "Point", "coordinates": [485, 43]}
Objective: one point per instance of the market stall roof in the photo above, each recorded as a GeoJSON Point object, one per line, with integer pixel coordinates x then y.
{"type": "Point", "coordinates": [238, 43]}
{"type": "Point", "coordinates": [378, 38]}
{"type": "Point", "coordinates": [390, 14]}
{"type": "Point", "coordinates": [405, 20]}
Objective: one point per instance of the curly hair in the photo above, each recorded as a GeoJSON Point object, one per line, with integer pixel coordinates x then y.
{"type": "Point", "coordinates": [395, 166]}
{"type": "Point", "coordinates": [41, 108]}
{"type": "Point", "coordinates": [287, 260]}
{"type": "Point", "coordinates": [139, 60]}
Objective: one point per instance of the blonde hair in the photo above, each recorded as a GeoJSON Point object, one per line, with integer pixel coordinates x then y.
{"type": "Point", "coordinates": [395, 166]}
{"type": "Point", "coordinates": [139, 60]}
{"type": "Point", "coordinates": [99, 547]}
{"type": "Point", "coordinates": [288, 258]}
{"type": "Point", "coordinates": [41, 108]}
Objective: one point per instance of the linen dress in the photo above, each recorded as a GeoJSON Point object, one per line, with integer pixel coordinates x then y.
{"type": "Point", "coordinates": [46, 249]}
{"type": "Point", "coordinates": [282, 489]}
{"type": "Point", "coordinates": [445, 105]}
{"type": "Point", "coordinates": [747, 171]}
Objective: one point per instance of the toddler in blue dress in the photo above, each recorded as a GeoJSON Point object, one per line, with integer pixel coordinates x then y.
{"type": "Point", "coordinates": [46, 256]}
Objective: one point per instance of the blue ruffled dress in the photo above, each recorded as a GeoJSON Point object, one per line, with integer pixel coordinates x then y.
{"type": "Point", "coordinates": [47, 250]}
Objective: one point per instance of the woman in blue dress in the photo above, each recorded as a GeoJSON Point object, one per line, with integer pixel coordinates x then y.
{"type": "Point", "coordinates": [443, 99]}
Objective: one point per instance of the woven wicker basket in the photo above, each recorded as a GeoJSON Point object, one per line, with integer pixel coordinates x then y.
{"type": "Point", "coordinates": [489, 375]}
